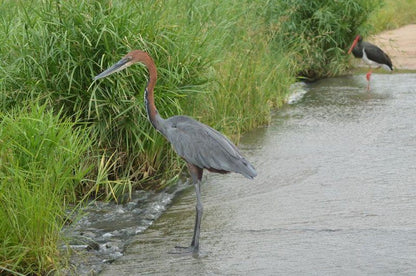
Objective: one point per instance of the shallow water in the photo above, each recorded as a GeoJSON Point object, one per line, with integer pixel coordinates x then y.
{"type": "Point", "coordinates": [335, 193]}
{"type": "Point", "coordinates": [105, 228]}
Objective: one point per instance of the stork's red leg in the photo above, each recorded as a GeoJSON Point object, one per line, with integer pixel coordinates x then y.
{"type": "Point", "coordinates": [368, 76]}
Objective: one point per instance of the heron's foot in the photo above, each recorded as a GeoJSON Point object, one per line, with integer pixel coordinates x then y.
{"type": "Point", "coordinates": [185, 250]}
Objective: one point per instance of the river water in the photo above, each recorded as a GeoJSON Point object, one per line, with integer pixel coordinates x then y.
{"type": "Point", "coordinates": [335, 193]}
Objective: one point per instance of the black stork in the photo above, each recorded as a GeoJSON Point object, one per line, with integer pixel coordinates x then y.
{"type": "Point", "coordinates": [372, 55]}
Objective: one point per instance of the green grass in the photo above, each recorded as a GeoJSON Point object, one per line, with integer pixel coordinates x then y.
{"type": "Point", "coordinates": [40, 168]}
{"type": "Point", "coordinates": [226, 63]}
{"type": "Point", "coordinates": [394, 14]}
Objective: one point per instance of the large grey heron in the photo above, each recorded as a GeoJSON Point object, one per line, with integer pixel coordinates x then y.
{"type": "Point", "coordinates": [371, 54]}
{"type": "Point", "coordinates": [201, 146]}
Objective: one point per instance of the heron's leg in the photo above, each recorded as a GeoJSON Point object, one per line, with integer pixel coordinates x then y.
{"type": "Point", "coordinates": [199, 210]}
{"type": "Point", "coordinates": [196, 175]}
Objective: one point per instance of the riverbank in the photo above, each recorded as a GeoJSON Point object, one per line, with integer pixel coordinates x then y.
{"type": "Point", "coordinates": [399, 44]}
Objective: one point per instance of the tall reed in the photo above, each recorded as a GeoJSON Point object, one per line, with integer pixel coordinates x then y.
{"type": "Point", "coordinates": [40, 167]}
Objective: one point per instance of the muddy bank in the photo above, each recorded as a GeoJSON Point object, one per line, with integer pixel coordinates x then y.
{"type": "Point", "coordinates": [400, 45]}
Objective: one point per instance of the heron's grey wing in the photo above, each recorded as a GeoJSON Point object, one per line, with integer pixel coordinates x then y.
{"type": "Point", "coordinates": [205, 147]}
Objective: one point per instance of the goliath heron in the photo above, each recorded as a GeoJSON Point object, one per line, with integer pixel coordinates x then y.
{"type": "Point", "coordinates": [201, 146]}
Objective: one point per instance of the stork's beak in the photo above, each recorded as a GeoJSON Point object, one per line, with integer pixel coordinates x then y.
{"type": "Point", "coordinates": [353, 44]}
{"type": "Point", "coordinates": [123, 63]}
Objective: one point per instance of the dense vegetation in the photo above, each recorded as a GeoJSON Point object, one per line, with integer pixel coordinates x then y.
{"type": "Point", "coordinates": [62, 137]}
{"type": "Point", "coordinates": [393, 14]}
{"type": "Point", "coordinates": [40, 168]}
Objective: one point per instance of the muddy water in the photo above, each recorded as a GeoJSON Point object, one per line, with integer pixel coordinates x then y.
{"type": "Point", "coordinates": [335, 193]}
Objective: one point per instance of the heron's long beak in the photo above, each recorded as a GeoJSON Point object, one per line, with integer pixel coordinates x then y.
{"type": "Point", "coordinates": [123, 63]}
{"type": "Point", "coordinates": [353, 44]}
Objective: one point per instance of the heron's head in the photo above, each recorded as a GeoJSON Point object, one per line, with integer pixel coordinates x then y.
{"type": "Point", "coordinates": [129, 59]}
{"type": "Point", "coordinates": [357, 39]}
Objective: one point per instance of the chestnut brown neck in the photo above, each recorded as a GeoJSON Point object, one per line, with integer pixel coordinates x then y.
{"type": "Point", "coordinates": [152, 113]}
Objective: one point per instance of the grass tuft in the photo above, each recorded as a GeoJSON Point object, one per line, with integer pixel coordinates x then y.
{"type": "Point", "coordinates": [40, 169]}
